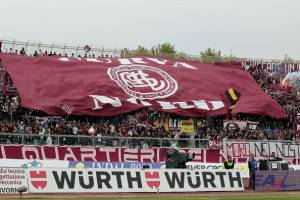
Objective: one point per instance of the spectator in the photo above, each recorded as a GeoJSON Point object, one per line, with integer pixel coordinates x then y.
{"type": "Point", "coordinates": [23, 52]}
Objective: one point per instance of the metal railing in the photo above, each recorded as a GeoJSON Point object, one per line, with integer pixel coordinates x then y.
{"type": "Point", "coordinates": [31, 46]}
{"type": "Point", "coordinates": [110, 141]}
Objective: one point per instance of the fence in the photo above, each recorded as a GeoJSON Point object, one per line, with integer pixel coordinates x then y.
{"type": "Point", "coordinates": [31, 46]}
{"type": "Point", "coordinates": [110, 141]}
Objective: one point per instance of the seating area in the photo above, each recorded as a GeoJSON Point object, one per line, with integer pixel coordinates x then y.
{"type": "Point", "coordinates": [147, 122]}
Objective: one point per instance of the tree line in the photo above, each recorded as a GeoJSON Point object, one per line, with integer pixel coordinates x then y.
{"type": "Point", "coordinates": [168, 50]}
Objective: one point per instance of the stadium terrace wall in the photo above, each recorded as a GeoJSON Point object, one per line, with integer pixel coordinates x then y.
{"type": "Point", "coordinates": [240, 150]}
{"type": "Point", "coordinates": [101, 154]}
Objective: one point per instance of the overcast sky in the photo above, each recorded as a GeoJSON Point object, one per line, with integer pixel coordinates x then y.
{"type": "Point", "coordinates": [247, 28]}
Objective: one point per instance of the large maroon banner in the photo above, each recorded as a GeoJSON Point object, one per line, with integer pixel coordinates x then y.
{"type": "Point", "coordinates": [105, 87]}
{"type": "Point", "coordinates": [102, 154]}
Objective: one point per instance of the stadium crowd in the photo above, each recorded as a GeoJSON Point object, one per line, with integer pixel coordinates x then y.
{"type": "Point", "coordinates": [39, 52]}
{"type": "Point", "coordinates": [147, 122]}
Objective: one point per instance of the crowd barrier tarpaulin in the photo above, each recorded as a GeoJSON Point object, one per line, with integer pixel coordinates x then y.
{"type": "Point", "coordinates": [114, 180]}
{"type": "Point", "coordinates": [113, 165]}
{"type": "Point", "coordinates": [11, 179]}
{"type": "Point", "coordinates": [33, 163]}
{"type": "Point", "coordinates": [277, 180]}
{"type": "Point", "coordinates": [114, 86]}
{"type": "Point", "coordinates": [241, 150]}
{"type": "Point", "coordinates": [102, 154]}
{"type": "Point", "coordinates": [25, 164]}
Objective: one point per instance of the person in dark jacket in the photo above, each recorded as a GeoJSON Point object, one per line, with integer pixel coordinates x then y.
{"type": "Point", "coordinates": [252, 165]}
{"type": "Point", "coordinates": [229, 163]}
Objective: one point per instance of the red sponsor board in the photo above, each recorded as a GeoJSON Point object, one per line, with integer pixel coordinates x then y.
{"type": "Point", "coordinates": [100, 154]}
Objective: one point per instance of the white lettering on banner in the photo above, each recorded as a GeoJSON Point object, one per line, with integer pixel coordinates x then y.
{"type": "Point", "coordinates": [130, 61]}
{"type": "Point", "coordinates": [184, 105]}
{"type": "Point", "coordinates": [201, 104]}
{"type": "Point", "coordinates": [161, 62]}
{"type": "Point", "coordinates": [185, 65]}
{"type": "Point", "coordinates": [109, 150]}
{"type": "Point", "coordinates": [93, 60]}
{"type": "Point", "coordinates": [107, 60]}
{"type": "Point", "coordinates": [147, 155]}
{"type": "Point", "coordinates": [262, 149]}
{"type": "Point", "coordinates": [135, 100]}
{"type": "Point", "coordinates": [11, 179]}
{"type": "Point", "coordinates": [165, 105]}
{"type": "Point", "coordinates": [46, 156]}
{"type": "Point", "coordinates": [217, 105]}
{"type": "Point", "coordinates": [69, 155]}
{"type": "Point", "coordinates": [88, 154]}
{"type": "Point", "coordinates": [138, 60]}
{"type": "Point", "coordinates": [131, 155]}
{"type": "Point", "coordinates": [125, 61]}
{"type": "Point", "coordinates": [114, 101]}
{"type": "Point", "coordinates": [3, 152]}
{"type": "Point", "coordinates": [29, 152]}
{"type": "Point", "coordinates": [198, 153]}
{"type": "Point", "coordinates": [126, 180]}
{"type": "Point", "coordinates": [65, 59]}
{"type": "Point", "coordinates": [138, 155]}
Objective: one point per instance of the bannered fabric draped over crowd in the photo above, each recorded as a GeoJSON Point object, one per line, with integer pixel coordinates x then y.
{"type": "Point", "coordinates": [111, 86]}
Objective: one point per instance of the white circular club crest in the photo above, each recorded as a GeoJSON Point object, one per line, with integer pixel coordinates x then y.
{"type": "Point", "coordinates": [143, 82]}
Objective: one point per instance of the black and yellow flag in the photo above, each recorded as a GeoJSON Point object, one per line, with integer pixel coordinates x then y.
{"type": "Point", "coordinates": [233, 96]}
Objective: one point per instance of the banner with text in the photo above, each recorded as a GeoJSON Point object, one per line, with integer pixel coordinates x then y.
{"type": "Point", "coordinates": [241, 150]}
{"type": "Point", "coordinates": [11, 179]}
{"type": "Point", "coordinates": [277, 180]}
{"type": "Point", "coordinates": [242, 168]}
{"type": "Point", "coordinates": [102, 154]}
{"type": "Point", "coordinates": [113, 180]}
{"type": "Point", "coordinates": [112, 86]}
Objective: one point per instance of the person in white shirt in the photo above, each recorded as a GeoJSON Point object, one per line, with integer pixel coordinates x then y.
{"type": "Point", "coordinates": [91, 130]}
{"type": "Point", "coordinates": [49, 140]}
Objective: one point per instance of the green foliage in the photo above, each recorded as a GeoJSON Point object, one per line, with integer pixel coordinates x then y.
{"type": "Point", "coordinates": [210, 56]}
{"type": "Point", "coordinates": [168, 50]}
{"type": "Point", "coordinates": [164, 49]}
{"type": "Point", "coordinates": [181, 55]}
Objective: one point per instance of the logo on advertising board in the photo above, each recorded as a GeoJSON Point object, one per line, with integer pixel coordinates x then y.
{"type": "Point", "coordinates": [276, 181]}
{"type": "Point", "coordinates": [143, 82]}
{"type": "Point", "coordinates": [114, 180]}
{"type": "Point", "coordinates": [153, 180]}
{"type": "Point", "coordinates": [38, 179]}
{"type": "Point", "coordinates": [32, 164]}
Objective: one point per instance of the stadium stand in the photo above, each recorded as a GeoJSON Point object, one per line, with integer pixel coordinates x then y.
{"type": "Point", "coordinates": [144, 123]}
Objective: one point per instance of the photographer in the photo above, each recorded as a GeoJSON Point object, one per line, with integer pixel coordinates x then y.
{"type": "Point", "coordinates": [177, 160]}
